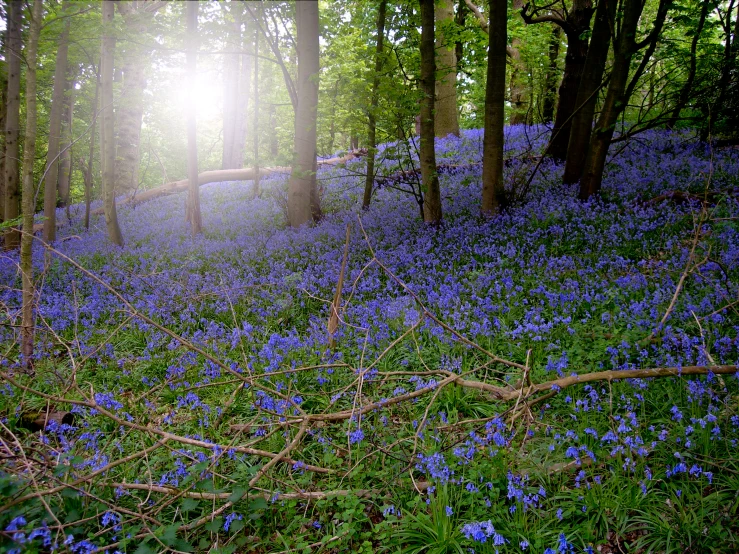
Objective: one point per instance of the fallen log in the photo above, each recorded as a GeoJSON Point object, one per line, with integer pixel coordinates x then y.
{"type": "Point", "coordinates": [224, 175]}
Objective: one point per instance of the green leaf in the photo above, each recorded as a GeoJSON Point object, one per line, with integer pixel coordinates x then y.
{"type": "Point", "coordinates": [237, 494]}
{"type": "Point", "coordinates": [145, 549]}
{"type": "Point", "coordinates": [189, 504]}
{"type": "Point", "coordinates": [214, 525]}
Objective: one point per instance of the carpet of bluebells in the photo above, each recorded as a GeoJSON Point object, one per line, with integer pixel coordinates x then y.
{"type": "Point", "coordinates": [558, 285]}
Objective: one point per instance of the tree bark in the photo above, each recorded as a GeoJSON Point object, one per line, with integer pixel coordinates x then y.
{"type": "Point", "coordinates": [255, 131]}
{"type": "Point", "coordinates": [460, 19]}
{"type": "Point", "coordinates": [446, 117]}
{"type": "Point", "coordinates": [193, 193]}
{"type": "Point", "coordinates": [107, 135]}
{"type": "Point", "coordinates": [303, 203]}
{"type": "Point", "coordinates": [236, 91]}
{"type": "Point", "coordinates": [550, 82]}
{"type": "Point", "coordinates": [618, 93]}
{"type": "Point", "coordinates": [587, 94]}
{"type": "Point", "coordinates": [518, 88]}
{"type": "Point", "coordinates": [55, 131]}
{"type": "Point", "coordinates": [577, 22]}
{"type": "Point", "coordinates": [29, 155]}
{"type": "Point", "coordinates": [130, 105]}
{"type": "Point", "coordinates": [91, 153]}
{"type": "Point", "coordinates": [13, 48]}
{"type": "Point", "coordinates": [492, 148]}
{"type": "Point", "coordinates": [430, 179]}
{"type": "Point", "coordinates": [65, 158]}
{"type": "Point", "coordinates": [372, 115]}
{"type": "Point", "coordinates": [3, 113]}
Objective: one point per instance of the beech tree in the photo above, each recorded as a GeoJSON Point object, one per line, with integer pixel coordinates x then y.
{"type": "Point", "coordinates": [303, 203]}
{"type": "Point", "coordinates": [129, 109]}
{"type": "Point", "coordinates": [587, 94]}
{"type": "Point", "coordinates": [236, 86]}
{"type": "Point", "coordinates": [575, 22]}
{"type": "Point", "coordinates": [29, 155]}
{"type": "Point", "coordinates": [13, 46]}
{"type": "Point", "coordinates": [492, 149]}
{"type": "Point", "coordinates": [372, 114]}
{"type": "Point", "coordinates": [620, 87]}
{"type": "Point", "coordinates": [51, 179]}
{"type": "Point", "coordinates": [193, 192]}
{"type": "Point", "coordinates": [445, 115]}
{"type": "Point", "coordinates": [107, 155]}
{"type": "Point", "coordinates": [432, 194]}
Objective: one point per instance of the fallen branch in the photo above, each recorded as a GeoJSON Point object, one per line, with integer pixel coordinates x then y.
{"type": "Point", "coordinates": [224, 175]}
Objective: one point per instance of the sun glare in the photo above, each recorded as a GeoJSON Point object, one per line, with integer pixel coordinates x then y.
{"type": "Point", "coordinates": [206, 96]}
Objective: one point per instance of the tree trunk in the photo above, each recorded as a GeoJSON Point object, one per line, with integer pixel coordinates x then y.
{"type": "Point", "coordinates": [130, 106]}
{"type": "Point", "coordinates": [371, 117]}
{"type": "Point", "coordinates": [3, 113]}
{"type": "Point", "coordinates": [55, 131]}
{"type": "Point", "coordinates": [231, 62]}
{"type": "Point", "coordinates": [688, 85]}
{"type": "Point", "coordinates": [91, 154]}
{"type": "Point", "coordinates": [274, 149]}
{"type": "Point", "coordinates": [13, 47]}
{"type": "Point", "coordinates": [108, 146]}
{"type": "Point", "coordinates": [618, 93]}
{"type": "Point", "coordinates": [65, 158]}
{"type": "Point", "coordinates": [446, 117]}
{"type": "Point", "coordinates": [550, 82]}
{"type": "Point", "coordinates": [492, 147]}
{"type": "Point", "coordinates": [460, 18]}
{"type": "Point", "coordinates": [518, 89]}
{"type": "Point", "coordinates": [236, 91]}
{"type": "Point", "coordinates": [193, 193]}
{"type": "Point", "coordinates": [432, 197]}
{"type": "Point", "coordinates": [29, 156]}
{"type": "Point", "coordinates": [578, 21]}
{"type": "Point", "coordinates": [255, 130]}
{"type": "Point", "coordinates": [587, 95]}
{"type": "Point", "coordinates": [302, 202]}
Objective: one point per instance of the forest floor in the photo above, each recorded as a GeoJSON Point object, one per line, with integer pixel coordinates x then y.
{"type": "Point", "coordinates": [533, 382]}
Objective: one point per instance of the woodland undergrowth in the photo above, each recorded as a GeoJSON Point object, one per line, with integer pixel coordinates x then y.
{"type": "Point", "coordinates": [559, 378]}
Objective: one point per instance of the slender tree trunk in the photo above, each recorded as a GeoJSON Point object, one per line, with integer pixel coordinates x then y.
{"type": "Point", "coordinates": [432, 197]}
{"type": "Point", "coordinates": [91, 153]}
{"type": "Point", "coordinates": [55, 132]}
{"type": "Point", "coordinates": [255, 131]}
{"type": "Point", "coordinates": [492, 147]}
{"type": "Point", "coordinates": [372, 115]}
{"type": "Point", "coordinates": [446, 117]}
{"type": "Point", "coordinates": [618, 92]}
{"type": "Point", "coordinates": [274, 149]}
{"type": "Point", "coordinates": [518, 89]}
{"type": "Point", "coordinates": [688, 85]}
{"type": "Point", "coordinates": [193, 194]}
{"type": "Point", "coordinates": [550, 82]}
{"type": "Point", "coordinates": [460, 18]}
{"type": "Point", "coordinates": [231, 64]}
{"type": "Point", "coordinates": [13, 47]}
{"type": "Point", "coordinates": [587, 95]}
{"type": "Point", "coordinates": [107, 134]}
{"type": "Point", "coordinates": [303, 202]}
{"type": "Point", "coordinates": [29, 155]}
{"type": "Point", "coordinates": [237, 88]}
{"type": "Point", "coordinates": [65, 159]}
{"type": "Point", "coordinates": [130, 105]}
{"type": "Point", "coordinates": [3, 114]}
{"type": "Point", "coordinates": [578, 22]}
{"type": "Point", "coordinates": [242, 108]}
